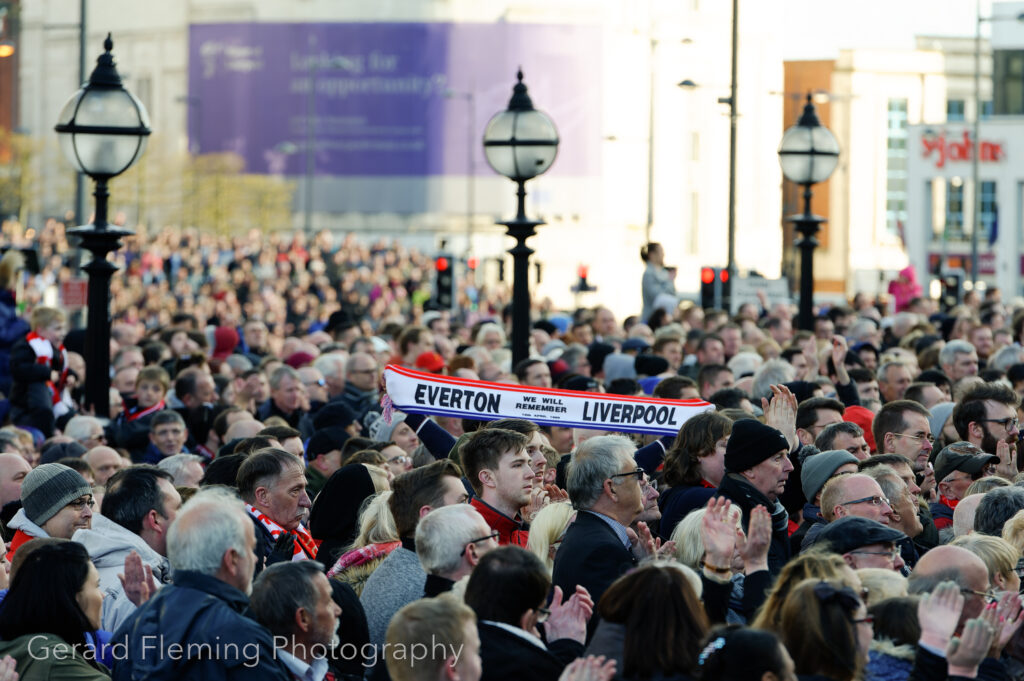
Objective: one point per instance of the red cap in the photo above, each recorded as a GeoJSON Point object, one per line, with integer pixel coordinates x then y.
{"type": "Point", "coordinates": [225, 340]}
{"type": "Point", "coordinates": [863, 417]}
{"type": "Point", "coordinates": [297, 360]}
{"type": "Point", "coordinates": [430, 361]}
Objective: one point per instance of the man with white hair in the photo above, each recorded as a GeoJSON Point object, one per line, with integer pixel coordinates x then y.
{"type": "Point", "coordinates": [958, 359]}
{"type": "Point", "coordinates": [450, 541]}
{"type": "Point", "coordinates": [86, 431]}
{"type": "Point", "coordinates": [186, 469]}
{"type": "Point", "coordinates": [604, 485]}
{"type": "Point", "coordinates": [332, 366]}
{"type": "Point", "coordinates": [210, 547]}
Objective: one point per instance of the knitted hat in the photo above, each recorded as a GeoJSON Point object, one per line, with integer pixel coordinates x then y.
{"type": "Point", "coordinates": [50, 487]}
{"type": "Point", "coordinates": [751, 443]}
{"type": "Point", "coordinates": [939, 415]}
{"type": "Point", "coordinates": [820, 467]}
{"type": "Point", "coordinates": [379, 429]}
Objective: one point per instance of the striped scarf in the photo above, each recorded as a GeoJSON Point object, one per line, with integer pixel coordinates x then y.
{"type": "Point", "coordinates": [44, 355]}
{"type": "Point", "coordinates": [305, 546]}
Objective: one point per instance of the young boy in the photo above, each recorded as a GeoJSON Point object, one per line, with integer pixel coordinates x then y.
{"type": "Point", "coordinates": [39, 370]}
{"type": "Point", "coordinates": [131, 428]}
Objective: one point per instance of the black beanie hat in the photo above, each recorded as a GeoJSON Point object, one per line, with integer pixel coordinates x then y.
{"type": "Point", "coordinates": [750, 443]}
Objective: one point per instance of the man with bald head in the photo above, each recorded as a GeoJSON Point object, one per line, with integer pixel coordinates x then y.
{"type": "Point", "coordinates": [239, 430]}
{"type": "Point", "coordinates": [103, 462]}
{"type": "Point", "coordinates": [967, 571]}
{"type": "Point", "coordinates": [850, 495]}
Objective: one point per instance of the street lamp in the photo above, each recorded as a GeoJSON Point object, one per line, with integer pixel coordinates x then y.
{"type": "Point", "coordinates": [520, 143]}
{"type": "Point", "coordinates": [102, 131]}
{"type": "Point", "coordinates": [808, 154]}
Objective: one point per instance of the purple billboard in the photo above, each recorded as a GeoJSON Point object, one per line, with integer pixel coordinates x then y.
{"type": "Point", "coordinates": [387, 99]}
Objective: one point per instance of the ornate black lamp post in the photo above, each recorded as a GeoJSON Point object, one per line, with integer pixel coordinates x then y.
{"type": "Point", "coordinates": [520, 143]}
{"type": "Point", "coordinates": [808, 154]}
{"type": "Point", "coordinates": [102, 131]}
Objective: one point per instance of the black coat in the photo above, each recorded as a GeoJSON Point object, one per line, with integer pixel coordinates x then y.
{"type": "Point", "coordinates": [592, 555]}
{"type": "Point", "coordinates": [504, 656]}
{"type": "Point", "coordinates": [740, 492]}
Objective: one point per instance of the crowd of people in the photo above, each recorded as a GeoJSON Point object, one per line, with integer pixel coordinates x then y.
{"type": "Point", "coordinates": [845, 503]}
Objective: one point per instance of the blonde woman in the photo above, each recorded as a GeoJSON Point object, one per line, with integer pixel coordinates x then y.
{"type": "Point", "coordinates": [376, 539]}
{"type": "Point", "coordinates": [999, 556]}
{"type": "Point", "coordinates": [547, 529]}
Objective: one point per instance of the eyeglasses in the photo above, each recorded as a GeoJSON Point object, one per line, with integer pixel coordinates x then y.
{"type": "Point", "coordinates": [868, 619]}
{"type": "Point", "coordinates": [873, 500]}
{"type": "Point", "coordinates": [362, 371]}
{"type": "Point", "coordinates": [1009, 423]}
{"type": "Point", "coordinates": [639, 473]}
{"type": "Point", "coordinates": [924, 436]}
{"type": "Point", "coordinates": [649, 482]}
{"type": "Point", "coordinates": [81, 502]}
{"type": "Point", "coordinates": [542, 615]}
{"type": "Point", "coordinates": [400, 459]}
{"type": "Point", "coordinates": [320, 382]}
{"type": "Point", "coordinates": [492, 535]}
{"type": "Point", "coordinates": [990, 596]}
{"type": "Point", "coordinates": [892, 553]}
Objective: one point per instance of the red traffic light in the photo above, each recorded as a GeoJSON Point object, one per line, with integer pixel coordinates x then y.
{"type": "Point", "coordinates": [441, 264]}
{"type": "Point", "coordinates": [707, 275]}
{"type": "Point", "coordinates": [472, 263]}
{"type": "Point", "coordinates": [582, 271]}
{"type": "Point", "coordinates": [723, 275]}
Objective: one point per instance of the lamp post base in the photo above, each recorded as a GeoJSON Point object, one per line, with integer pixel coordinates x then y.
{"type": "Point", "coordinates": [99, 241]}
{"type": "Point", "coordinates": [807, 225]}
{"type": "Point", "coordinates": [521, 229]}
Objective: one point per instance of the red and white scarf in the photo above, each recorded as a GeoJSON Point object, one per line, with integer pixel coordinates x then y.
{"type": "Point", "coordinates": [133, 413]}
{"type": "Point", "coordinates": [44, 355]}
{"type": "Point", "coordinates": [305, 546]}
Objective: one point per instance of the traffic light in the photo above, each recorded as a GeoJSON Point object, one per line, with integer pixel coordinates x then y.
{"type": "Point", "coordinates": [952, 289]}
{"type": "Point", "coordinates": [714, 287]}
{"type": "Point", "coordinates": [444, 281]}
{"type": "Point", "coordinates": [582, 286]}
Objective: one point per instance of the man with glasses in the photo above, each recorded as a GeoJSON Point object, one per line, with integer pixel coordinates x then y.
{"type": "Point", "coordinates": [855, 495]}
{"type": "Point", "coordinates": [604, 485]}
{"type": "Point", "coordinates": [360, 394]}
{"type": "Point", "coordinates": [814, 414]}
{"type": "Point", "coordinates": [450, 541]}
{"type": "Point", "coordinates": [956, 467]}
{"type": "Point", "coordinates": [864, 543]}
{"type": "Point", "coordinates": [55, 502]}
{"type": "Point", "coordinates": [902, 427]}
{"type": "Point", "coordinates": [987, 417]}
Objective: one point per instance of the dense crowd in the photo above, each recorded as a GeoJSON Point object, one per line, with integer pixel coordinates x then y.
{"type": "Point", "coordinates": [842, 502]}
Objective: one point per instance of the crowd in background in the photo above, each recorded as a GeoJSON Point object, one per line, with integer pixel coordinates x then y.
{"type": "Point", "coordinates": [251, 507]}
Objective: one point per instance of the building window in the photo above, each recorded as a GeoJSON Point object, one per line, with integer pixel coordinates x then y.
{"type": "Point", "coordinates": [955, 208]}
{"type": "Point", "coordinates": [896, 166]}
{"type": "Point", "coordinates": [989, 211]}
{"type": "Point", "coordinates": [955, 110]}
{"type": "Point", "coordinates": [987, 107]}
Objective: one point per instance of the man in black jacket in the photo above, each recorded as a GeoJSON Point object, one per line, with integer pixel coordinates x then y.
{"type": "Point", "coordinates": [604, 485]}
{"type": "Point", "coordinates": [757, 467]}
{"type": "Point", "coordinates": [508, 592]}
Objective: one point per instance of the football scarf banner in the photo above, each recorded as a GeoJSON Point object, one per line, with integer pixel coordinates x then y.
{"type": "Point", "coordinates": [430, 394]}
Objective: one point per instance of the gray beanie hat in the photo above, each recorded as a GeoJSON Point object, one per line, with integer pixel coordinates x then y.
{"type": "Point", "coordinates": [820, 467]}
{"type": "Point", "coordinates": [939, 415]}
{"type": "Point", "coordinates": [50, 487]}
{"type": "Point", "coordinates": [379, 429]}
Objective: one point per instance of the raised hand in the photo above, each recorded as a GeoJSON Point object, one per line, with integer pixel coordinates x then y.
{"type": "Point", "coordinates": [718, 532]}
{"type": "Point", "coordinates": [965, 653]}
{"type": "Point", "coordinates": [137, 580]}
{"type": "Point", "coordinates": [8, 665]}
{"type": "Point", "coordinates": [939, 614]}
{"type": "Point", "coordinates": [780, 413]}
{"type": "Point", "coordinates": [569, 619]}
{"type": "Point", "coordinates": [589, 668]}
{"type": "Point", "coordinates": [1005, 618]}
{"type": "Point", "coordinates": [753, 546]}
{"type": "Point", "coordinates": [1007, 466]}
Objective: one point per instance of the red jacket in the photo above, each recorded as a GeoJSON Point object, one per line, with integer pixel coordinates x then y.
{"type": "Point", "coordinates": [512, 530]}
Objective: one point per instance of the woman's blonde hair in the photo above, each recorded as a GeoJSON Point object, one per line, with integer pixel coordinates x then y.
{"type": "Point", "coordinates": [10, 265]}
{"type": "Point", "coordinates": [689, 544]}
{"type": "Point", "coordinates": [547, 528]}
{"type": "Point", "coordinates": [376, 524]}
{"type": "Point", "coordinates": [813, 564]}
{"type": "Point", "coordinates": [379, 477]}
{"type": "Point", "coordinates": [998, 555]}
{"type": "Point", "coordinates": [882, 584]}
{"type": "Point", "coordinates": [1013, 531]}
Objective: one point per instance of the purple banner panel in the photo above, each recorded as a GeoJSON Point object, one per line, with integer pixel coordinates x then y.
{"type": "Point", "coordinates": [388, 99]}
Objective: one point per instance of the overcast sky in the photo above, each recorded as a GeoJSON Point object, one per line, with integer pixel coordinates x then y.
{"type": "Point", "coordinates": [818, 29]}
